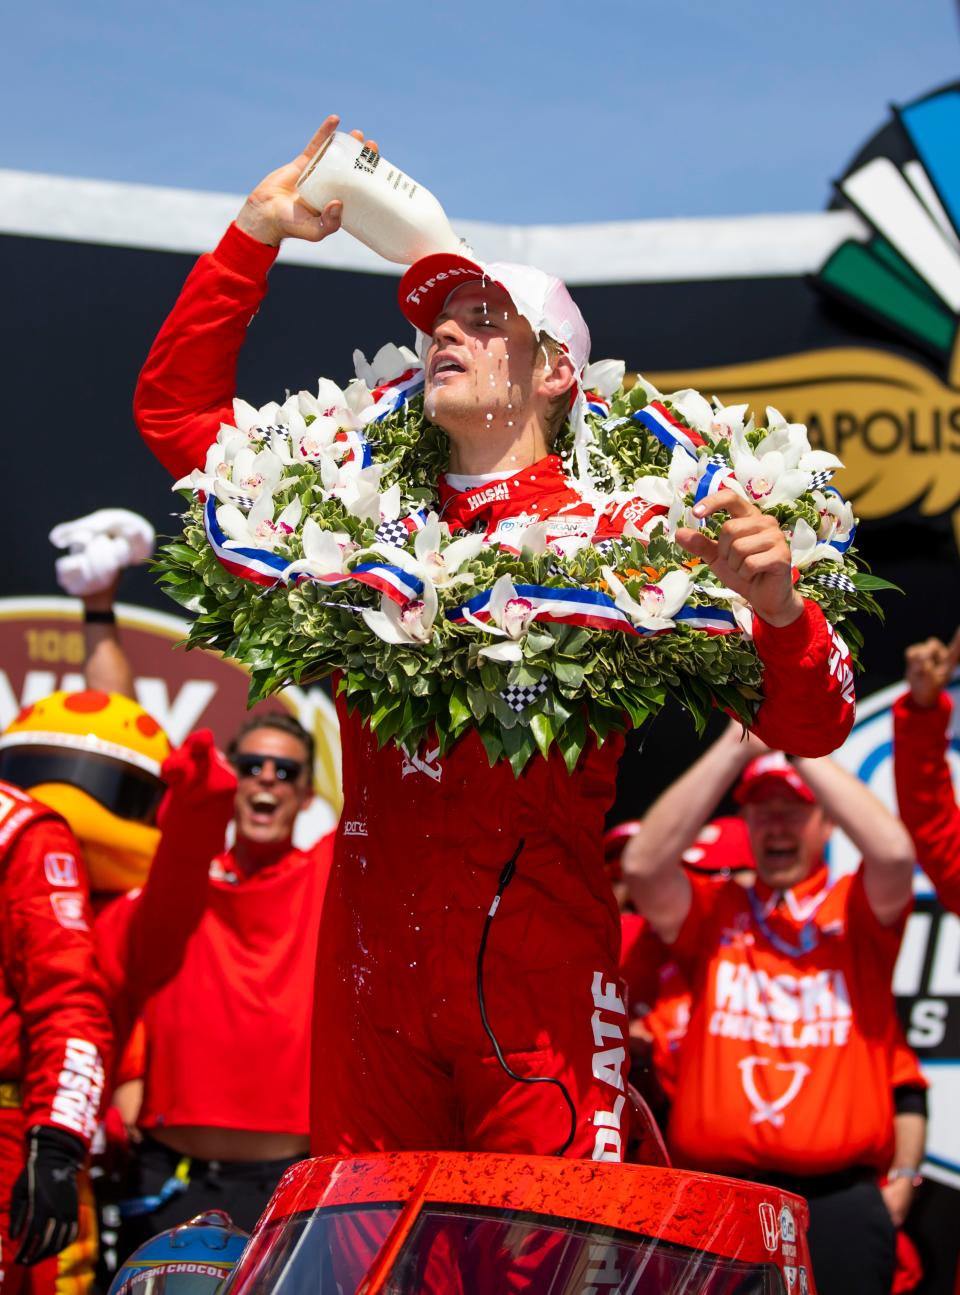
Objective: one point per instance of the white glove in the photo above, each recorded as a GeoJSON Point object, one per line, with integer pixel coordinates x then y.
{"type": "Point", "coordinates": [101, 545]}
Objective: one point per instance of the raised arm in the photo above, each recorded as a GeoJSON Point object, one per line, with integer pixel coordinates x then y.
{"type": "Point", "coordinates": [924, 785]}
{"type": "Point", "coordinates": [882, 840]}
{"type": "Point", "coordinates": [808, 695]}
{"type": "Point", "coordinates": [143, 936]}
{"type": "Point", "coordinates": [187, 385]}
{"type": "Point", "coordinates": [659, 886]}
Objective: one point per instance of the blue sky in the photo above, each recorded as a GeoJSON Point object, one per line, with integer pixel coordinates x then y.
{"type": "Point", "coordinates": [515, 111]}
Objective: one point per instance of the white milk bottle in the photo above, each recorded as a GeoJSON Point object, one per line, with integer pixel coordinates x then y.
{"type": "Point", "coordinates": [382, 207]}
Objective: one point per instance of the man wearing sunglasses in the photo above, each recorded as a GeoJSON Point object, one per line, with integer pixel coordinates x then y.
{"type": "Point", "coordinates": [226, 1095]}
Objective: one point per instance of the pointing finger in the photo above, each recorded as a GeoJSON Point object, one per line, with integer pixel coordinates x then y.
{"type": "Point", "coordinates": [700, 545]}
{"type": "Point", "coordinates": [725, 501]}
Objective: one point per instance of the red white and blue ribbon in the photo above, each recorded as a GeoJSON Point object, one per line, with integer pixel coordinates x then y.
{"type": "Point", "coordinates": [393, 395]}
{"type": "Point", "coordinates": [257, 565]}
{"type": "Point", "coordinates": [839, 544]}
{"type": "Point", "coordinates": [262, 567]}
{"type": "Point", "coordinates": [594, 610]}
{"type": "Point", "coordinates": [359, 447]}
{"type": "Point", "coordinates": [715, 477]}
{"type": "Point", "coordinates": [585, 607]}
{"type": "Point", "coordinates": [398, 585]}
{"type": "Point", "coordinates": [596, 404]}
{"type": "Point", "coordinates": [668, 429]}
{"type": "Point", "coordinates": [711, 620]}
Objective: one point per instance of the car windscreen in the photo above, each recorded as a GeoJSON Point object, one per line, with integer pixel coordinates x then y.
{"type": "Point", "coordinates": [463, 1250]}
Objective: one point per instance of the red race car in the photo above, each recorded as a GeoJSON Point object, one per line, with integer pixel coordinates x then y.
{"type": "Point", "coordinates": [444, 1223]}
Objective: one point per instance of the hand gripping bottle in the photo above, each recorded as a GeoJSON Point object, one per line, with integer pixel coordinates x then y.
{"type": "Point", "coordinates": [382, 207]}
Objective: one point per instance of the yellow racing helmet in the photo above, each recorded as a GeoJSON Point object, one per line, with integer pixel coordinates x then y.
{"type": "Point", "coordinates": [95, 758]}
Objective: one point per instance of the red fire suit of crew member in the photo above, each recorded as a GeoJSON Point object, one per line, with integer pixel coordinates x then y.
{"type": "Point", "coordinates": [401, 1059]}
{"type": "Point", "coordinates": [55, 1036]}
{"type": "Point", "coordinates": [925, 792]}
{"type": "Point", "coordinates": [219, 966]}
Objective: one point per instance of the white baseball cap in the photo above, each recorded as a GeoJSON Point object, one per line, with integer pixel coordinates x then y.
{"type": "Point", "coordinates": [541, 298]}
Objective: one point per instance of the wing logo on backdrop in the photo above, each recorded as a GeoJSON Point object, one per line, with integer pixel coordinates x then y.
{"type": "Point", "coordinates": [894, 420]}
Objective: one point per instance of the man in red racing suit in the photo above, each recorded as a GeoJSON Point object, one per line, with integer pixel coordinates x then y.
{"type": "Point", "coordinates": [55, 1037]}
{"type": "Point", "coordinates": [401, 1056]}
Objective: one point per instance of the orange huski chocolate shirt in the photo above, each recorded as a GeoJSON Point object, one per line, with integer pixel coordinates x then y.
{"type": "Point", "coordinates": [787, 1063]}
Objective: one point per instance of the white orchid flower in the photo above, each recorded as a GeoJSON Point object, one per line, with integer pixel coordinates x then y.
{"type": "Point", "coordinates": [681, 479]}
{"type": "Point", "coordinates": [693, 409]}
{"type": "Point", "coordinates": [837, 520]}
{"type": "Point", "coordinates": [648, 390]}
{"type": "Point", "coordinates": [358, 489]}
{"type": "Point", "coordinates": [726, 420]}
{"type": "Point", "coordinates": [324, 552]}
{"type": "Point", "coordinates": [658, 603]}
{"type": "Point", "coordinates": [805, 548]}
{"type": "Point", "coordinates": [307, 443]}
{"type": "Point", "coordinates": [431, 562]}
{"type": "Point", "coordinates": [510, 618]}
{"type": "Point", "coordinates": [391, 503]}
{"type": "Point", "coordinates": [605, 377]}
{"type": "Point", "coordinates": [329, 402]}
{"type": "Point", "coordinates": [566, 546]}
{"type": "Point", "coordinates": [259, 529]}
{"type": "Point", "coordinates": [253, 473]}
{"type": "Point", "coordinates": [532, 540]}
{"type": "Point", "coordinates": [358, 398]}
{"type": "Point", "coordinates": [218, 463]}
{"type": "Point", "coordinates": [360, 496]}
{"type": "Point", "coordinates": [780, 468]}
{"type": "Point", "coordinates": [792, 441]}
{"type": "Point", "coordinates": [768, 477]}
{"type": "Point", "coordinates": [388, 363]}
{"type": "Point", "coordinates": [250, 421]}
{"type": "Point", "coordinates": [407, 623]}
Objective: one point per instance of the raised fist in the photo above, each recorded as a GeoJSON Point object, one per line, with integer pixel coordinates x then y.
{"type": "Point", "coordinates": [198, 778]}
{"type": "Point", "coordinates": [930, 666]}
{"type": "Point", "coordinates": [100, 546]}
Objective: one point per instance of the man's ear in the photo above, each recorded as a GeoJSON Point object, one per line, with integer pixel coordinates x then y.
{"type": "Point", "coordinates": [557, 377]}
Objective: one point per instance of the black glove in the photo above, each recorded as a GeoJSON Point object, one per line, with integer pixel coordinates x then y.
{"type": "Point", "coordinates": [44, 1206]}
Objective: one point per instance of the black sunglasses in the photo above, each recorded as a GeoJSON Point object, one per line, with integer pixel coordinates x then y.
{"type": "Point", "coordinates": [250, 765]}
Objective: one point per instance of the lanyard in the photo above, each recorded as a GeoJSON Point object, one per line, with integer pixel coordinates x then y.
{"type": "Point", "coordinates": [809, 933]}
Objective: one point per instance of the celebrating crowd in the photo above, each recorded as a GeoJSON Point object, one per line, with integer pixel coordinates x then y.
{"type": "Point", "coordinates": [203, 1015]}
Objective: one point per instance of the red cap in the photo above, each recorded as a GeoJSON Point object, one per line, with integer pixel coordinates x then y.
{"type": "Point", "coordinates": [722, 845]}
{"type": "Point", "coordinates": [771, 771]}
{"type": "Point", "coordinates": [541, 298]}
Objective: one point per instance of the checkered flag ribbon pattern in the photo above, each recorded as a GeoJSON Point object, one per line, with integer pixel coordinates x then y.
{"type": "Point", "coordinates": [519, 696]}
{"type": "Point", "coordinates": [836, 580]}
{"type": "Point", "coordinates": [396, 532]}
{"type": "Point", "coordinates": [606, 548]}
{"type": "Point", "coordinates": [820, 479]}
{"type": "Point", "coordinates": [240, 501]}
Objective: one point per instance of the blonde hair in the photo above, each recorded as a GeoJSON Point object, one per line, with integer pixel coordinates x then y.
{"type": "Point", "coordinates": [558, 411]}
